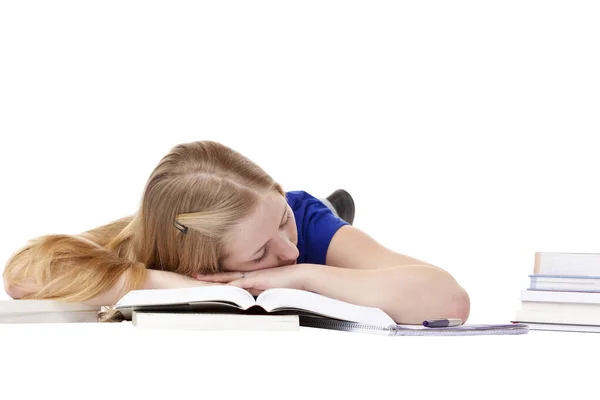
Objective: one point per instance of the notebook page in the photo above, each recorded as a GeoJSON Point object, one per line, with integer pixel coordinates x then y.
{"type": "Point", "coordinates": [281, 299]}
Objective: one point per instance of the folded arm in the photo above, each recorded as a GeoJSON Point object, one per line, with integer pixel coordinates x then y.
{"type": "Point", "coordinates": [410, 294]}
{"type": "Point", "coordinates": [362, 271]}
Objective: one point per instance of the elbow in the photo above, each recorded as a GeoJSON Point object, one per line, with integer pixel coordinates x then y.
{"type": "Point", "coordinates": [450, 299]}
{"type": "Point", "coordinates": [434, 294]}
{"type": "Point", "coordinates": [13, 291]}
{"type": "Point", "coordinates": [458, 304]}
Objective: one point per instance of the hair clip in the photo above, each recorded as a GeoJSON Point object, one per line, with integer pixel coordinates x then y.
{"type": "Point", "coordinates": [181, 227]}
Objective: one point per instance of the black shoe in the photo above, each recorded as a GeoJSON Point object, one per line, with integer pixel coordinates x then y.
{"type": "Point", "coordinates": [343, 204]}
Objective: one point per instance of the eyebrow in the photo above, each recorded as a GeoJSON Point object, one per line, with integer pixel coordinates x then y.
{"type": "Point", "coordinates": [265, 245]}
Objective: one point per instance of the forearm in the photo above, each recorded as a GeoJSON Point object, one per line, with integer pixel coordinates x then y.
{"type": "Point", "coordinates": [409, 294]}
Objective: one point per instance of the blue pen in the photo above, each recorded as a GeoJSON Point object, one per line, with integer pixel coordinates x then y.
{"type": "Point", "coordinates": [442, 322]}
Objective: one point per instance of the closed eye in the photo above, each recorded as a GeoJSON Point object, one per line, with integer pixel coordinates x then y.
{"type": "Point", "coordinates": [266, 253]}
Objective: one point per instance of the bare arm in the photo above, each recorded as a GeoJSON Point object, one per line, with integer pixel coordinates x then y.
{"type": "Point", "coordinates": [410, 290]}
{"type": "Point", "coordinates": [410, 294]}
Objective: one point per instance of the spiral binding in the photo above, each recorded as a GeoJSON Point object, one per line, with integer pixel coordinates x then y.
{"type": "Point", "coordinates": [338, 325]}
{"type": "Point", "coordinates": [398, 330]}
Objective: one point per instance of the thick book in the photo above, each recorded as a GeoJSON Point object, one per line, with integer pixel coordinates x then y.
{"type": "Point", "coordinates": [40, 306]}
{"type": "Point", "coordinates": [588, 308]}
{"type": "Point", "coordinates": [231, 299]}
{"type": "Point", "coordinates": [555, 263]}
{"type": "Point", "coordinates": [558, 317]}
{"type": "Point", "coordinates": [46, 311]}
{"type": "Point", "coordinates": [559, 308]}
{"type": "Point", "coordinates": [559, 297]}
{"type": "Point", "coordinates": [214, 321]}
{"type": "Point", "coordinates": [49, 317]}
{"type": "Point", "coordinates": [571, 283]}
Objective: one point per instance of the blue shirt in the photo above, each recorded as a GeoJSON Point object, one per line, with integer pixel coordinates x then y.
{"type": "Point", "coordinates": [316, 225]}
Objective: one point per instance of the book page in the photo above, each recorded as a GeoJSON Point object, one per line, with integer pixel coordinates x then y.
{"type": "Point", "coordinates": [281, 299]}
{"type": "Point", "coordinates": [187, 296]}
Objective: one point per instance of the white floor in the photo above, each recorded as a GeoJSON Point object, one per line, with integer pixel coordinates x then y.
{"type": "Point", "coordinates": [465, 132]}
{"type": "Point", "coordinates": [121, 361]}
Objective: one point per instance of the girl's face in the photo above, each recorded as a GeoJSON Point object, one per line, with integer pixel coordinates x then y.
{"type": "Point", "coordinates": [265, 239]}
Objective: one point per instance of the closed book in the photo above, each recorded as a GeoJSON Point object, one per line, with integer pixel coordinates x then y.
{"type": "Point", "coordinates": [558, 317]}
{"type": "Point", "coordinates": [572, 283]}
{"type": "Point", "coordinates": [214, 321]}
{"type": "Point", "coordinates": [563, 327]}
{"type": "Point", "coordinates": [555, 263]}
{"type": "Point", "coordinates": [39, 306]}
{"type": "Point", "coordinates": [559, 297]}
{"type": "Point", "coordinates": [562, 307]}
{"type": "Point", "coordinates": [48, 317]}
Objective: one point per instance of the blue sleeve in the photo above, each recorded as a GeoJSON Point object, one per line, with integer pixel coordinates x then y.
{"type": "Point", "coordinates": [316, 225]}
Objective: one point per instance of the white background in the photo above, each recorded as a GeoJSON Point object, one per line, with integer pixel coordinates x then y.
{"type": "Point", "coordinates": [465, 131]}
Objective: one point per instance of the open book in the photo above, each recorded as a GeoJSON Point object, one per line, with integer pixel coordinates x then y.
{"type": "Point", "coordinates": [231, 299]}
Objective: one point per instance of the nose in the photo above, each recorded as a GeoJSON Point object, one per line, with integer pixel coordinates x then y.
{"type": "Point", "coordinates": [287, 252]}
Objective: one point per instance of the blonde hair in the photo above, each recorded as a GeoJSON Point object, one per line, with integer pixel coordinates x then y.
{"type": "Point", "coordinates": [204, 186]}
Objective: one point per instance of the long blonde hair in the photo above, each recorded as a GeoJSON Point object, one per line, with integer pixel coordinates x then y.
{"type": "Point", "coordinates": [203, 188]}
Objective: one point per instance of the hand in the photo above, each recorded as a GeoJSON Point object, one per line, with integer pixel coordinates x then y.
{"type": "Point", "coordinates": [289, 276]}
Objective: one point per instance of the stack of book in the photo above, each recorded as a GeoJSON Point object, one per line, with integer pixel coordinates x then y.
{"type": "Point", "coordinates": [46, 311]}
{"type": "Point", "coordinates": [563, 294]}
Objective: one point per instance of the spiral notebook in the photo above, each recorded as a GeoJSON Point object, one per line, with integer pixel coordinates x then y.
{"type": "Point", "coordinates": [414, 330]}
